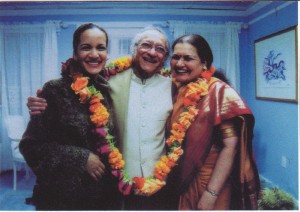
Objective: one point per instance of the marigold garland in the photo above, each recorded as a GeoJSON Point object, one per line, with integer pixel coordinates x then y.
{"type": "Point", "coordinates": [116, 66]}
{"type": "Point", "coordinates": [100, 116]}
{"type": "Point", "coordinates": [121, 64]}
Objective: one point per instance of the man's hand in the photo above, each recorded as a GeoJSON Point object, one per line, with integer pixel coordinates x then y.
{"type": "Point", "coordinates": [95, 167]}
{"type": "Point", "coordinates": [36, 105]}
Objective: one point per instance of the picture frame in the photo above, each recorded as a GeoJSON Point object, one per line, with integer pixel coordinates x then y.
{"type": "Point", "coordinates": [276, 68]}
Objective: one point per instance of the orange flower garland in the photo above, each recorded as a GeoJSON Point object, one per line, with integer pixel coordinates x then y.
{"type": "Point", "coordinates": [116, 66]}
{"type": "Point", "coordinates": [124, 63]}
{"type": "Point", "coordinates": [100, 116]}
{"type": "Point", "coordinates": [115, 159]}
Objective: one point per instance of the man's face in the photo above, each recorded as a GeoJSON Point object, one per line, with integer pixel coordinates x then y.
{"type": "Point", "coordinates": [151, 53]}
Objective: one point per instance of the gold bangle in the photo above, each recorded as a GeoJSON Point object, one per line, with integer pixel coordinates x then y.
{"type": "Point", "coordinates": [215, 194]}
{"type": "Point", "coordinates": [229, 132]}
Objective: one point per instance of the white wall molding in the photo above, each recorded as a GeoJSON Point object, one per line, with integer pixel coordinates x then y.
{"type": "Point", "coordinates": [275, 10]}
{"type": "Point", "coordinates": [257, 6]}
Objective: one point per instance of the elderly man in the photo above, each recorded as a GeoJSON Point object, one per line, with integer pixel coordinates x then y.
{"type": "Point", "coordinates": [141, 103]}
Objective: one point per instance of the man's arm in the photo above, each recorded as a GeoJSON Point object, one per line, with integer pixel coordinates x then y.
{"type": "Point", "coordinates": [36, 105]}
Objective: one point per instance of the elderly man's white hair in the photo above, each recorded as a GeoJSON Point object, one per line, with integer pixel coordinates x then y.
{"type": "Point", "coordinates": [138, 37]}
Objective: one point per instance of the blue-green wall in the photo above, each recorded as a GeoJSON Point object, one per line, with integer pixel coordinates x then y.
{"type": "Point", "coordinates": [276, 128]}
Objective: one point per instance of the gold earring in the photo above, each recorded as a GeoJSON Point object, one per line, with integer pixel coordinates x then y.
{"type": "Point", "coordinates": [204, 67]}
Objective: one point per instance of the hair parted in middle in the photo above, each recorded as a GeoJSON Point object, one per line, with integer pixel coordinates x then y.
{"type": "Point", "coordinates": [82, 28]}
{"type": "Point", "coordinates": [203, 49]}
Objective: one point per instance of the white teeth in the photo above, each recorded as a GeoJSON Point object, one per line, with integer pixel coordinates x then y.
{"type": "Point", "coordinates": [93, 63]}
{"type": "Point", "coordinates": [181, 71]}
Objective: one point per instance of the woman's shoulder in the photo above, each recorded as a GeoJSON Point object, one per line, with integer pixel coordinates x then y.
{"type": "Point", "coordinates": [216, 82]}
{"type": "Point", "coordinates": [55, 83]}
{"type": "Point", "coordinates": [221, 88]}
{"type": "Point", "coordinates": [55, 86]}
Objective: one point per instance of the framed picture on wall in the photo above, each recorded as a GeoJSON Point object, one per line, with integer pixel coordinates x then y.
{"type": "Point", "coordinates": [276, 69]}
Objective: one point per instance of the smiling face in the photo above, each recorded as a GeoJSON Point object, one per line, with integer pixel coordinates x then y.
{"type": "Point", "coordinates": [91, 51]}
{"type": "Point", "coordinates": [185, 63]}
{"type": "Point", "coordinates": [150, 54]}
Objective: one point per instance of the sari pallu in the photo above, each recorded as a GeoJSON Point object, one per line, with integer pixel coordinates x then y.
{"type": "Point", "coordinates": [221, 103]}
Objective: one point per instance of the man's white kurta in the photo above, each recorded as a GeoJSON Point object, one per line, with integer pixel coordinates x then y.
{"type": "Point", "coordinates": [149, 106]}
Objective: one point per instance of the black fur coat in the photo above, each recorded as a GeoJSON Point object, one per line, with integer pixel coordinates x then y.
{"type": "Point", "coordinates": [56, 146]}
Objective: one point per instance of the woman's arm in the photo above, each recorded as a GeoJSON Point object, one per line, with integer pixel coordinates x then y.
{"type": "Point", "coordinates": [47, 156]}
{"type": "Point", "coordinates": [222, 169]}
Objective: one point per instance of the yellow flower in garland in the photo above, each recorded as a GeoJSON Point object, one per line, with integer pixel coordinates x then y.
{"type": "Point", "coordinates": [177, 151]}
{"type": "Point", "coordinates": [174, 157]}
{"type": "Point", "coordinates": [168, 161]}
{"type": "Point", "coordinates": [99, 112]}
{"type": "Point", "coordinates": [193, 111]}
{"type": "Point", "coordinates": [184, 121]}
{"type": "Point", "coordinates": [195, 91]}
{"type": "Point", "coordinates": [84, 94]}
{"type": "Point", "coordinates": [115, 159]}
{"type": "Point", "coordinates": [100, 115]}
{"type": "Point", "coordinates": [166, 72]}
{"type": "Point", "coordinates": [178, 135]}
{"type": "Point", "coordinates": [178, 127]}
{"type": "Point", "coordinates": [123, 64]}
{"type": "Point", "coordinates": [147, 187]}
{"type": "Point", "coordinates": [163, 167]}
{"type": "Point", "coordinates": [120, 64]}
{"type": "Point", "coordinates": [186, 117]}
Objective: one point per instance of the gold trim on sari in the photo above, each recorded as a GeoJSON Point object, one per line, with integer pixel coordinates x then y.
{"type": "Point", "coordinates": [221, 104]}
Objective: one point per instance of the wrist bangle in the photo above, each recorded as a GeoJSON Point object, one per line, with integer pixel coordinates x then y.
{"type": "Point", "coordinates": [215, 194]}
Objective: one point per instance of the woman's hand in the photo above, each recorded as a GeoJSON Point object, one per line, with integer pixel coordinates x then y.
{"type": "Point", "coordinates": [207, 201]}
{"type": "Point", "coordinates": [36, 105]}
{"type": "Point", "coordinates": [95, 167]}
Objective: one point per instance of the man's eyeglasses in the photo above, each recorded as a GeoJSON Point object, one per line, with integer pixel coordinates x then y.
{"type": "Point", "coordinates": [185, 58]}
{"type": "Point", "coordinates": [149, 46]}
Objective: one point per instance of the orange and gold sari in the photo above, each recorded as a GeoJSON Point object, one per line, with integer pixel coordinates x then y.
{"type": "Point", "coordinates": [202, 146]}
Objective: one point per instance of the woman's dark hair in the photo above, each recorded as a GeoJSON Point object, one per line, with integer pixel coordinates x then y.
{"type": "Point", "coordinates": [220, 75]}
{"type": "Point", "coordinates": [81, 29]}
{"type": "Point", "coordinates": [203, 49]}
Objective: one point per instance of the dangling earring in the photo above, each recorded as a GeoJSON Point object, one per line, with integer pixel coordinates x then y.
{"type": "Point", "coordinates": [204, 67]}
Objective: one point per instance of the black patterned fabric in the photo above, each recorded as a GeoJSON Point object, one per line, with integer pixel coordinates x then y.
{"type": "Point", "coordinates": [56, 145]}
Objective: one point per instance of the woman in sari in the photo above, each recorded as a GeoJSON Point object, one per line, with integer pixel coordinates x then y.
{"type": "Point", "coordinates": [217, 170]}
